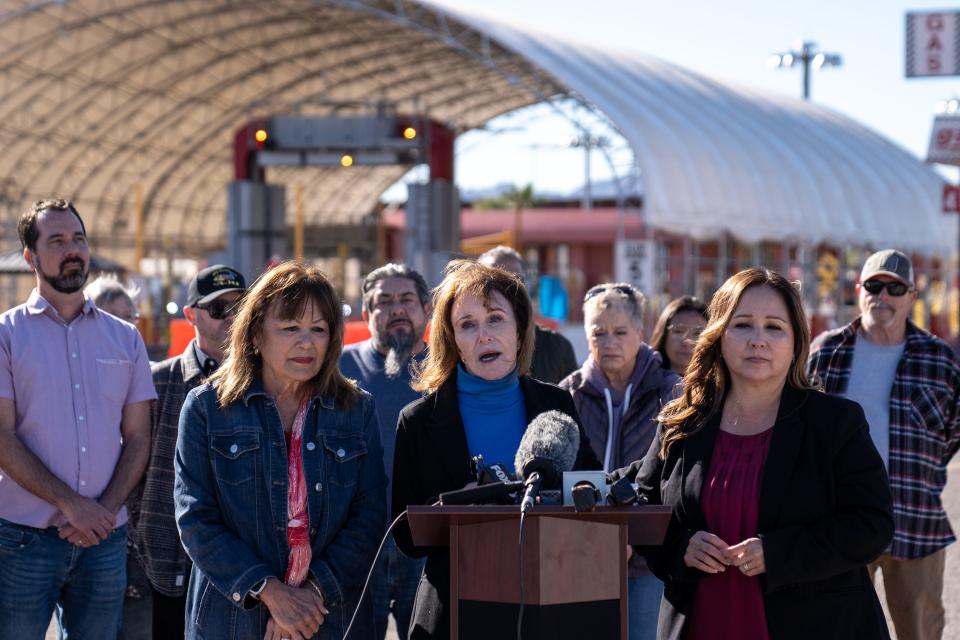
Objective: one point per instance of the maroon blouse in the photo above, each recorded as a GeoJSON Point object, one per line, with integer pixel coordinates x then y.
{"type": "Point", "coordinates": [729, 604]}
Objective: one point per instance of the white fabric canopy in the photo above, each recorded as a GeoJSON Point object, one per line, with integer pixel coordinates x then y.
{"type": "Point", "coordinates": [115, 103]}
{"type": "Point", "coordinates": [717, 158]}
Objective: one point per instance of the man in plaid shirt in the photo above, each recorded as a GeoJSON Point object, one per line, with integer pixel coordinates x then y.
{"type": "Point", "coordinates": [158, 611]}
{"type": "Point", "coordinates": [908, 383]}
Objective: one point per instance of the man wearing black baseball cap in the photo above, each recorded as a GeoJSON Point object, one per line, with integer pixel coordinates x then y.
{"type": "Point", "coordinates": [213, 296]}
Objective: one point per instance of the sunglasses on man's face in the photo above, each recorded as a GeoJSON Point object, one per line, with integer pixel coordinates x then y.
{"type": "Point", "coordinates": [595, 291]}
{"type": "Point", "coordinates": [220, 309]}
{"type": "Point", "coordinates": [895, 289]}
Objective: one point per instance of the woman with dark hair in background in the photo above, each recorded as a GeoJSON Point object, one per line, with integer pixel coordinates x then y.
{"type": "Point", "coordinates": [677, 330]}
{"type": "Point", "coordinates": [779, 497]}
{"type": "Point", "coordinates": [479, 401]}
{"type": "Point", "coordinates": [279, 487]}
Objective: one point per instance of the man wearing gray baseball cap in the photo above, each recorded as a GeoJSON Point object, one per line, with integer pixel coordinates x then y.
{"type": "Point", "coordinates": [908, 383]}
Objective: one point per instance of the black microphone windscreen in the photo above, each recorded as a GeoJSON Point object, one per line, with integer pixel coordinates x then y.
{"type": "Point", "coordinates": [549, 445]}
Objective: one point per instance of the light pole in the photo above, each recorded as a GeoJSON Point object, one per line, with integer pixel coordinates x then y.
{"type": "Point", "coordinates": [807, 54]}
{"type": "Point", "coordinates": [588, 143]}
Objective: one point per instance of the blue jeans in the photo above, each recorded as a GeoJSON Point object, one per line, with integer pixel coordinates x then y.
{"type": "Point", "coordinates": [393, 588]}
{"type": "Point", "coordinates": [40, 572]}
{"type": "Point", "coordinates": [643, 608]}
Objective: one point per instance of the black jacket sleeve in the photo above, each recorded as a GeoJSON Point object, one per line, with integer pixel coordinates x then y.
{"type": "Point", "coordinates": [406, 489]}
{"type": "Point", "coordinates": [856, 533]}
{"type": "Point", "coordinates": [666, 560]}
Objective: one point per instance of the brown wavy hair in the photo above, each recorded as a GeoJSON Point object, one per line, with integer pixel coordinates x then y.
{"type": "Point", "coordinates": [707, 379]}
{"type": "Point", "coordinates": [466, 277]}
{"type": "Point", "coordinates": [288, 288]}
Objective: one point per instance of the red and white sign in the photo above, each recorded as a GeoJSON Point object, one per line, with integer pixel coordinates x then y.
{"type": "Point", "coordinates": [931, 44]}
{"type": "Point", "coordinates": [951, 198]}
{"type": "Point", "coordinates": [945, 140]}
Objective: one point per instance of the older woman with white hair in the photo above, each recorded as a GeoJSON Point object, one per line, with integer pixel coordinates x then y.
{"type": "Point", "coordinates": [618, 393]}
{"type": "Point", "coordinates": [109, 294]}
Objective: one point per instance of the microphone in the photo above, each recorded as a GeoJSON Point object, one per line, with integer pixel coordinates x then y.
{"type": "Point", "coordinates": [492, 473]}
{"type": "Point", "coordinates": [548, 448]}
{"type": "Point", "coordinates": [493, 493]}
{"type": "Point", "coordinates": [622, 493]}
{"type": "Point", "coordinates": [585, 495]}
{"type": "Point", "coordinates": [476, 464]}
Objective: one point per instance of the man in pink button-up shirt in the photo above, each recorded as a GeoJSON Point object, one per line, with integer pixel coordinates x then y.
{"type": "Point", "coordinates": [75, 392]}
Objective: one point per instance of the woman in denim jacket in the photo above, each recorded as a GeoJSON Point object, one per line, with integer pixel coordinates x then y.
{"type": "Point", "coordinates": [280, 487]}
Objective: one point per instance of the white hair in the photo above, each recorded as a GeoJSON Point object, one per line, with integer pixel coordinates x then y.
{"type": "Point", "coordinates": [107, 288]}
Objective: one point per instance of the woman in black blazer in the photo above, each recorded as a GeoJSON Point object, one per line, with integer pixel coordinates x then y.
{"type": "Point", "coordinates": [779, 497]}
{"type": "Point", "coordinates": [481, 337]}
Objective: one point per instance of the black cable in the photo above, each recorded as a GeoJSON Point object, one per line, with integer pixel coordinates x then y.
{"type": "Point", "coordinates": [523, 515]}
{"type": "Point", "coordinates": [373, 567]}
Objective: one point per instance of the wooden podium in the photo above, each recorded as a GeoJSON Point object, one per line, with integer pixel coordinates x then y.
{"type": "Point", "coordinates": [574, 566]}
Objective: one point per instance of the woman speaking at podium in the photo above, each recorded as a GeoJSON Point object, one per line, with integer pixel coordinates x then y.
{"type": "Point", "coordinates": [779, 497]}
{"type": "Point", "coordinates": [479, 401]}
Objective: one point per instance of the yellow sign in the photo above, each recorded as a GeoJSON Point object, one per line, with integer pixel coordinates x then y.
{"type": "Point", "coordinates": [828, 273]}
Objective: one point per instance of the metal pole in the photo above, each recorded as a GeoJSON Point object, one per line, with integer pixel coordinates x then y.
{"type": "Point", "coordinates": [587, 194]}
{"type": "Point", "coordinates": [298, 223]}
{"type": "Point", "coordinates": [138, 228]}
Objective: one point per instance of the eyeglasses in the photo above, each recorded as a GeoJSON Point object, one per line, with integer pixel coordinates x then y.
{"type": "Point", "coordinates": [132, 318]}
{"type": "Point", "coordinates": [625, 289]}
{"type": "Point", "coordinates": [895, 289]}
{"type": "Point", "coordinates": [685, 330]}
{"type": "Point", "coordinates": [220, 309]}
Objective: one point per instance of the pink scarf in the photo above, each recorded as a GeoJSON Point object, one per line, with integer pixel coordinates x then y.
{"type": "Point", "coordinates": [298, 522]}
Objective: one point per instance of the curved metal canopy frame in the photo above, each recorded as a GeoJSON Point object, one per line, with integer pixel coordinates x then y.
{"type": "Point", "coordinates": [100, 98]}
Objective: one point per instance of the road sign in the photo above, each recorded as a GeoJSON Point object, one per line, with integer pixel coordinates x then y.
{"type": "Point", "coordinates": [945, 140]}
{"type": "Point", "coordinates": [931, 43]}
{"type": "Point", "coordinates": [951, 198]}
{"type": "Point", "coordinates": [635, 264]}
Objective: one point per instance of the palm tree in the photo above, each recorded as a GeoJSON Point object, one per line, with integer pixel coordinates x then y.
{"type": "Point", "coordinates": [519, 198]}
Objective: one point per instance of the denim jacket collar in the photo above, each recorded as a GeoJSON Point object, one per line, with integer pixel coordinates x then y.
{"type": "Point", "coordinates": [256, 389]}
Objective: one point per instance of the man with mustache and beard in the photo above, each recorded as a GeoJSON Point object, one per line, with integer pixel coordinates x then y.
{"type": "Point", "coordinates": [396, 303]}
{"type": "Point", "coordinates": [908, 383]}
{"type": "Point", "coordinates": [75, 392]}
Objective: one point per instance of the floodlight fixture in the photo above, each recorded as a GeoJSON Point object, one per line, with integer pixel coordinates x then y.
{"type": "Point", "coordinates": [806, 54]}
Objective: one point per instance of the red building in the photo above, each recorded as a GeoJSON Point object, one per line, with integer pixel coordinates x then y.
{"type": "Point", "coordinates": [578, 247]}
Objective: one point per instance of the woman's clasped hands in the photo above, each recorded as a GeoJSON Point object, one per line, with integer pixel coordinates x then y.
{"type": "Point", "coordinates": [710, 554]}
{"type": "Point", "coordinates": [296, 613]}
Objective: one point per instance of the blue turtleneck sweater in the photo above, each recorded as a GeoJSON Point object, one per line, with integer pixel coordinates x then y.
{"type": "Point", "coordinates": [494, 416]}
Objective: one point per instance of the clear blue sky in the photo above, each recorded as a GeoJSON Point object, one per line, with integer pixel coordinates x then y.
{"type": "Point", "coordinates": [729, 40]}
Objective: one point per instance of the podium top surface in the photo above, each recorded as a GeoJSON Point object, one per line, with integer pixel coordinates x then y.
{"type": "Point", "coordinates": [430, 525]}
